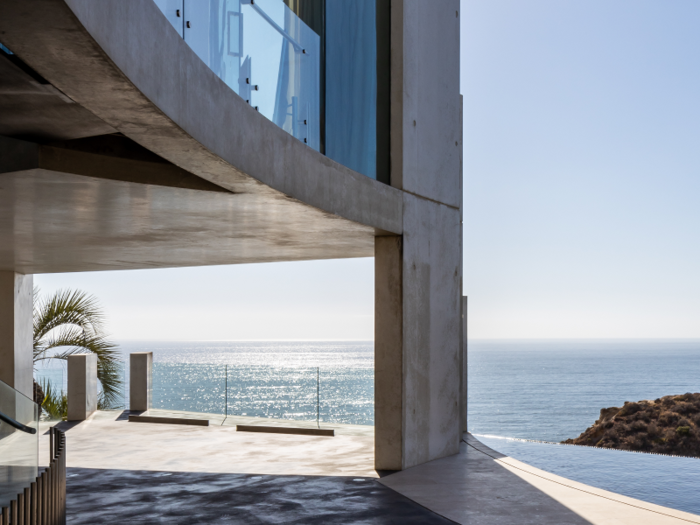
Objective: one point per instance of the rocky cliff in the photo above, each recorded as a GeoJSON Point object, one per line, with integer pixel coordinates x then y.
{"type": "Point", "coordinates": [669, 425]}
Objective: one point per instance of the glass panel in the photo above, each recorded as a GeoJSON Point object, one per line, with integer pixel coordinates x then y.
{"type": "Point", "coordinates": [52, 378]}
{"type": "Point", "coordinates": [189, 388]}
{"type": "Point", "coordinates": [266, 54]}
{"type": "Point", "coordinates": [173, 11]}
{"type": "Point", "coordinates": [19, 451]}
{"type": "Point", "coordinates": [351, 84]}
{"type": "Point", "coordinates": [278, 393]}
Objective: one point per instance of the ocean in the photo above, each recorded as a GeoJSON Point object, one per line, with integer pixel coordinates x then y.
{"type": "Point", "coordinates": [545, 391]}
{"type": "Point", "coordinates": [553, 390]}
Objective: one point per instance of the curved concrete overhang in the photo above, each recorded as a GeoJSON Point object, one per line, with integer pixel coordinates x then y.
{"type": "Point", "coordinates": [124, 63]}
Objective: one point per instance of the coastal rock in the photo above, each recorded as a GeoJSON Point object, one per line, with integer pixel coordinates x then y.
{"type": "Point", "coordinates": [668, 425]}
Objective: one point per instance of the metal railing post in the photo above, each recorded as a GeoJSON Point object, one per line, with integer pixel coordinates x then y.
{"type": "Point", "coordinates": [34, 503]}
{"type": "Point", "coordinates": [27, 506]}
{"type": "Point", "coordinates": [19, 511]}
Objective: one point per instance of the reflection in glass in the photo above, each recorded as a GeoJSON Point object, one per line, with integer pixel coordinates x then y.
{"type": "Point", "coordinates": [310, 66]}
{"type": "Point", "coordinates": [263, 51]}
{"type": "Point", "coordinates": [19, 451]}
{"type": "Point", "coordinates": [351, 84]}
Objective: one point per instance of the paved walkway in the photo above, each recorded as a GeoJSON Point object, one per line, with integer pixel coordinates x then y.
{"type": "Point", "coordinates": [479, 485]}
{"type": "Point", "coordinates": [109, 441]}
{"type": "Point", "coordinates": [194, 474]}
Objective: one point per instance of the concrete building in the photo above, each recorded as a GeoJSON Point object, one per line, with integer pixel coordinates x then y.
{"type": "Point", "coordinates": [152, 134]}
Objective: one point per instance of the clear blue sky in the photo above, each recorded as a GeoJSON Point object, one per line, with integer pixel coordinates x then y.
{"type": "Point", "coordinates": [582, 182]}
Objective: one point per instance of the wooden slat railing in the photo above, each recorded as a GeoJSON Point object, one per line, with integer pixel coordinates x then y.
{"type": "Point", "coordinates": [44, 501]}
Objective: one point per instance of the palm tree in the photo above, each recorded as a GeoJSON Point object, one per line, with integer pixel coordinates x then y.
{"type": "Point", "coordinates": [72, 320]}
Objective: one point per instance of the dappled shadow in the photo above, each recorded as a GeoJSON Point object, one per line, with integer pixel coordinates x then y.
{"type": "Point", "coordinates": [109, 496]}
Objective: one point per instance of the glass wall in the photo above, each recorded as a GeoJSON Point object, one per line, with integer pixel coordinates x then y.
{"type": "Point", "coordinates": [351, 84]}
{"type": "Point", "coordinates": [19, 448]}
{"type": "Point", "coordinates": [319, 69]}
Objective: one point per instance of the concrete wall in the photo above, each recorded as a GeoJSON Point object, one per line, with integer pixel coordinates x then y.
{"type": "Point", "coordinates": [82, 386]}
{"type": "Point", "coordinates": [16, 328]}
{"type": "Point", "coordinates": [426, 107]}
{"type": "Point", "coordinates": [418, 278]}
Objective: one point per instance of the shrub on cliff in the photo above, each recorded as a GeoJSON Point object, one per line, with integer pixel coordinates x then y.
{"type": "Point", "coordinates": [669, 425]}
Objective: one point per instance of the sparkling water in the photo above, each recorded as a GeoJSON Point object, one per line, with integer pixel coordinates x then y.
{"type": "Point", "coordinates": [538, 390]}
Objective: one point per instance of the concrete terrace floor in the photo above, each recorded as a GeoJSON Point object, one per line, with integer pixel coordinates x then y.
{"type": "Point", "coordinates": [158, 473]}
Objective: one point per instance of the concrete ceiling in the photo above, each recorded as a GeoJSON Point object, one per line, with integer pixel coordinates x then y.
{"type": "Point", "coordinates": [58, 222]}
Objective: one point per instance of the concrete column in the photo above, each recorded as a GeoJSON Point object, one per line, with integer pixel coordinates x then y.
{"type": "Point", "coordinates": [388, 354]}
{"type": "Point", "coordinates": [418, 338]}
{"type": "Point", "coordinates": [464, 367]}
{"type": "Point", "coordinates": [419, 404]}
{"type": "Point", "coordinates": [82, 386]}
{"type": "Point", "coordinates": [16, 328]}
{"type": "Point", "coordinates": [141, 378]}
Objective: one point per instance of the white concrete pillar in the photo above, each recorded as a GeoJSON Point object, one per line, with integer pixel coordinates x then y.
{"type": "Point", "coordinates": [82, 386]}
{"type": "Point", "coordinates": [16, 328]}
{"type": "Point", "coordinates": [141, 380]}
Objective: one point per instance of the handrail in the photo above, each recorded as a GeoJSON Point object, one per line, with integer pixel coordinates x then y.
{"type": "Point", "coordinates": [17, 424]}
{"type": "Point", "coordinates": [297, 46]}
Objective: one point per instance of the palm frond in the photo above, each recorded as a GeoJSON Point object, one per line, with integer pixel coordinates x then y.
{"type": "Point", "coordinates": [73, 320]}
{"type": "Point", "coordinates": [65, 307]}
{"type": "Point", "coordinates": [55, 404]}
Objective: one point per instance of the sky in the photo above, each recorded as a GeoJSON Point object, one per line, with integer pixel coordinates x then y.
{"type": "Point", "coordinates": [581, 180]}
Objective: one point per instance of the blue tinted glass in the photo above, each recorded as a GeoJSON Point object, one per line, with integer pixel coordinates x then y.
{"type": "Point", "coordinates": [265, 53]}
{"type": "Point", "coordinates": [351, 84]}
{"type": "Point", "coordinates": [173, 11]}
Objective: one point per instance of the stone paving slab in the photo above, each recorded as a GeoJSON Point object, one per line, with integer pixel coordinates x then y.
{"type": "Point", "coordinates": [109, 441]}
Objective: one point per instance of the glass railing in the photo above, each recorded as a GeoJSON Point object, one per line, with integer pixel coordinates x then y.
{"type": "Point", "coordinates": [261, 50]}
{"type": "Point", "coordinates": [53, 383]}
{"type": "Point", "coordinates": [337, 395]}
{"type": "Point", "coordinates": [19, 448]}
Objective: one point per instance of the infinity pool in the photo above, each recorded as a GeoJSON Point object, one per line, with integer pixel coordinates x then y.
{"type": "Point", "coordinates": [665, 480]}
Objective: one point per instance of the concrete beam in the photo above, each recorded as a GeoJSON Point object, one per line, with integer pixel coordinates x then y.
{"type": "Point", "coordinates": [33, 109]}
{"type": "Point", "coordinates": [16, 329]}
{"type": "Point", "coordinates": [52, 222]}
{"type": "Point", "coordinates": [107, 157]}
{"type": "Point", "coordinates": [82, 386]}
